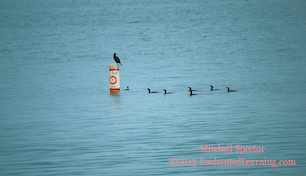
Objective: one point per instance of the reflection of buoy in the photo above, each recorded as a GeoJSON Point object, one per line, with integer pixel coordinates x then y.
{"type": "Point", "coordinates": [114, 78]}
{"type": "Point", "coordinates": [228, 89]}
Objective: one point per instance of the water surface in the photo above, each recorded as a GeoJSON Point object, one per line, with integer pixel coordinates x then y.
{"type": "Point", "coordinates": [57, 116]}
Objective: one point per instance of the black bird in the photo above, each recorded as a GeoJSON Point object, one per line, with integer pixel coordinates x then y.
{"type": "Point", "coordinates": [152, 91]}
{"type": "Point", "coordinates": [192, 93]}
{"type": "Point", "coordinates": [167, 92]}
{"type": "Point", "coordinates": [212, 88]}
{"type": "Point", "coordinates": [127, 88]}
{"type": "Point", "coordinates": [117, 59]}
{"type": "Point", "coordinates": [191, 90]}
{"type": "Point", "coordinates": [228, 89]}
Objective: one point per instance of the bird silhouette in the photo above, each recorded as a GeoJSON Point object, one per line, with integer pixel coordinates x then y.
{"type": "Point", "coordinates": [117, 59]}
{"type": "Point", "coordinates": [192, 93]}
{"type": "Point", "coordinates": [167, 92]}
{"type": "Point", "coordinates": [212, 88]}
{"type": "Point", "coordinates": [191, 89]}
{"type": "Point", "coordinates": [228, 89]}
{"type": "Point", "coordinates": [151, 91]}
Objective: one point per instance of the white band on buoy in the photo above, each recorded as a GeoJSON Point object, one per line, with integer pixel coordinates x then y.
{"type": "Point", "coordinates": [114, 78]}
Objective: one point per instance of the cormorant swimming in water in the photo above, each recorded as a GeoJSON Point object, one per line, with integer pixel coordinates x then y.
{"type": "Point", "coordinates": [152, 91]}
{"type": "Point", "coordinates": [192, 93]}
{"type": "Point", "coordinates": [228, 89]}
{"type": "Point", "coordinates": [191, 90]}
{"type": "Point", "coordinates": [167, 92]}
{"type": "Point", "coordinates": [127, 88]}
{"type": "Point", "coordinates": [212, 88]}
{"type": "Point", "coordinates": [117, 59]}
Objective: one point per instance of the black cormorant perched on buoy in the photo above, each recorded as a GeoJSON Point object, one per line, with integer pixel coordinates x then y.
{"type": "Point", "coordinates": [152, 91]}
{"type": "Point", "coordinates": [192, 93]}
{"type": "Point", "coordinates": [167, 92]}
{"type": "Point", "coordinates": [117, 59]}
{"type": "Point", "coordinates": [228, 89]}
{"type": "Point", "coordinates": [191, 90]}
{"type": "Point", "coordinates": [127, 88]}
{"type": "Point", "coordinates": [212, 88]}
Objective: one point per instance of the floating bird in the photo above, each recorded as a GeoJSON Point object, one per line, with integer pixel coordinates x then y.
{"type": "Point", "coordinates": [191, 90]}
{"type": "Point", "coordinates": [117, 59]}
{"type": "Point", "coordinates": [192, 93]}
{"type": "Point", "coordinates": [152, 91]}
{"type": "Point", "coordinates": [228, 89]}
{"type": "Point", "coordinates": [167, 92]}
{"type": "Point", "coordinates": [212, 88]}
{"type": "Point", "coordinates": [127, 88]}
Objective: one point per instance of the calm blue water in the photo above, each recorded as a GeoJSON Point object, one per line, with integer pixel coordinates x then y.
{"type": "Point", "coordinates": [57, 116]}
